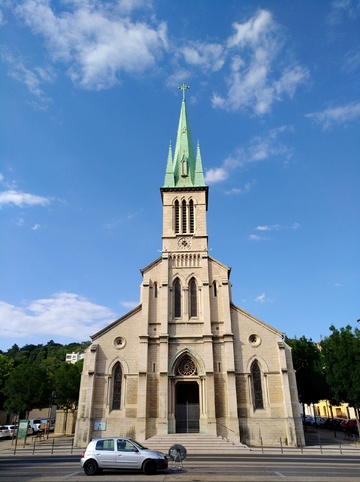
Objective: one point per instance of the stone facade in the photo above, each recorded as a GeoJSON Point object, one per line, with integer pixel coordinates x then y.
{"type": "Point", "coordinates": [187, 359]}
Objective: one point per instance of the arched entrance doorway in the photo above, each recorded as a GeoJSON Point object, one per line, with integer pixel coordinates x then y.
{"type": "Point", "coordinates": [187, 408]}
{"type": "Point", "coordinates": [186, 397]}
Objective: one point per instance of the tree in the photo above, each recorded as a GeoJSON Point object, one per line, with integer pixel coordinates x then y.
{"type": "Point", "coordinates": [310, 377]}
{"type": "Point", "coordinates": [67, 384]}
{"type": "Point", "coordinates": [6, 367]}
{"type": "Point", "coordinates": [341, 357]}
{"type": "Point", "coordinates": [27, 388]}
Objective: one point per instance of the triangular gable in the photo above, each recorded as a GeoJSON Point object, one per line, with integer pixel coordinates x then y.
{"type": "Point", "coordinates": [256, 320]}
{"type": "Point", "coordinates": [116, 322]}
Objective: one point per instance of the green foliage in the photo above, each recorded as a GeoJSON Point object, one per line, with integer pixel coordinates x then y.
{"type": "Point", "coordinates": [310, 377]}
{"type": "Point", "coordinates": [341, 357]}
{"type": "Point", "coordinates": [26, 388]}
{"type": "Point", "coordinates": [67, 384]}
{"type": "Point", "coordinates": [28, 375]}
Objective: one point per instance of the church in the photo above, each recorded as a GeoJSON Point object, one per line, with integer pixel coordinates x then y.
{"type": "Point", "coordinates": [187, 359]}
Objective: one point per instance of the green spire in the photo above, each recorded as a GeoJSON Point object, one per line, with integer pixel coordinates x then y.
{"type": "Point", "coordinates": [184, 170]}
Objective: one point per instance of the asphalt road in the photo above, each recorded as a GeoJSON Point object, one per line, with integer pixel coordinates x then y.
{"type": "Point", "coordinates": [246, 467]}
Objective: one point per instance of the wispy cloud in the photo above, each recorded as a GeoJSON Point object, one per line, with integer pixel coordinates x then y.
{"type": "Point", "coordinates": [97, 41]}
{"type": "Point", "coordinates": [263, 298]}
{"type": "Point", "coordinates": [259, 149]}
{"type": "Point", "coordinates": [254, 81]}
{"type": "Point", "coordinates": [129, 304]}
{"type": "Point", "coordinates": [268, 228]}
{"type": "Point", "coordinates": [336, 115]}
{"type": "Point", "coordinates": [64, 314]}
{"type": "Point", "coordinates": [33, 78]}
{"type": "Point", "coordinates": [21, 199]}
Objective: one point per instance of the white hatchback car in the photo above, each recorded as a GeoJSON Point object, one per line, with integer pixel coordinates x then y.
{"type": "Point", "coordinates": [121, 453]}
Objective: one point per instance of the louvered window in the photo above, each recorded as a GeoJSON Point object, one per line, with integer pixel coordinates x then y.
{"type": "Point", "coordinates": [193, 298]}
{"type": "Point", "coordinates": [177, 217]}
{"type": "Point", "coordinates": [191, 214]}
{"type": "Point", "coordinates": [184, 216]}
{"type": "Point", "coordinates": [177, 299]}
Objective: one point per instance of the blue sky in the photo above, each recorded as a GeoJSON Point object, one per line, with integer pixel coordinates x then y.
{"type": "Point", "coordinates": [89, 103]}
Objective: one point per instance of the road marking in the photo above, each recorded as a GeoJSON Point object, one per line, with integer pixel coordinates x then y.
{"type": "Point", "coordinates": [279, 474]}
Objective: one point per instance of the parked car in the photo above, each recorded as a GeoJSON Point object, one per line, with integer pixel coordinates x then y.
{"type": "Point", "coordinates": [350, 426]}
{"type": "Point", "coordinates": [308, 419]}
{"type": "Point", "coordinates": [13, 428]}
{"type": "Point", "coordinates": [121, 453]}
{"type": "Point", "coordinates": [319, 422]}
{"type": "Point", "coordinates": [4, 432]}
{"type": "Point", "coordinates": [37, 425]}
{"type": "Point", "coordinates": [333, 423]}
{"type": "Point", "coordinates": [49, 423]}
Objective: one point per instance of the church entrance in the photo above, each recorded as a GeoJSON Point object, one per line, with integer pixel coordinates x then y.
{"type": "Point", "coordinates": [187, 409]}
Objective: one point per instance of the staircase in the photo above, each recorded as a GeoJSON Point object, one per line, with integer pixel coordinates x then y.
{"type": "Point", "coordinates": [195, 444]}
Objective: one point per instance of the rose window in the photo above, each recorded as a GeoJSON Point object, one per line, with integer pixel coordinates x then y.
{"type": "Point", "coordinates": [186, 367]}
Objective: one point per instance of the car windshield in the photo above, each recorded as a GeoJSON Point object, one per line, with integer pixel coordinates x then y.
{"type": "Point", "coordinates": [137, 444]}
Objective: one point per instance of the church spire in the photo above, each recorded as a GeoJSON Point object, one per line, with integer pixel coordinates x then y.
{"type": "Point", "coordinates": [184, 170]}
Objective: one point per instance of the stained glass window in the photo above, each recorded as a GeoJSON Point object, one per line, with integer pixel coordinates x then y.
{"type": "Point", "coordinates": [257, 387]}
{"type": "Point", "coordinates": [117, 381]}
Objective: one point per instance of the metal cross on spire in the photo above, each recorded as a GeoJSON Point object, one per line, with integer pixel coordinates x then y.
{"type": "Point", "coordinates": [183, 87]}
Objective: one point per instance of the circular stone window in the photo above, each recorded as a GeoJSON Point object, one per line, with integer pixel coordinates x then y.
{"type": "Point", "coordinates": [254, 340]}
{"type": "Point", "coordinates": [186, 367]}
{"type": "Point", "coordinates": [119, 342]}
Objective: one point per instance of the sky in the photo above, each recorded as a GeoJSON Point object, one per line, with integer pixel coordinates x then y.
{"type": "Point", "coordinates": [89, 103]}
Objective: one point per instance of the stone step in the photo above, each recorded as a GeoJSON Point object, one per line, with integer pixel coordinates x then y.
{"type": "Point", "coordinates": [195, 444]}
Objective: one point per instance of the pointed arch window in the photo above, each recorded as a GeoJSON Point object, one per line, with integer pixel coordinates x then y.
{"type": "Point", "coordinates": [177, 217]}
{"type": "Point", "coordinates": [184, 216]}
{"type": "Point", "coordinates": [258, 400]}
{"type": "Point", "coordinates": [116, 388]}
{"type": "Point", "coordinates": [193, 298]}
{"type": "Point", "coordinates": [177, 298]}
{"type": "Point", "coordinates": [192, 217]}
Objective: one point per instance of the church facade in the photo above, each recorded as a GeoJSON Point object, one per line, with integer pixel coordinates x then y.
{"type": "Point", "coordinates": [187, 359]}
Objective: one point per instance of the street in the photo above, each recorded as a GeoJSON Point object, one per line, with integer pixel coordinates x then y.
{"type": "Point", "coordinates": [249, 467]}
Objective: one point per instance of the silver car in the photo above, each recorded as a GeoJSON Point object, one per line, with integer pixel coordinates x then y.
{"type": "Point", "coordinates": [121, 453]}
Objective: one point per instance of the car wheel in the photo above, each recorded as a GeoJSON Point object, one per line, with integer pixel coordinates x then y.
{"type": "Point", "coordinates": [90, 467]}
{"type": "Point", "coordinates": [149, 467]}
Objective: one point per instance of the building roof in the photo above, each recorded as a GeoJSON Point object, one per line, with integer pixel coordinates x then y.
{"type": "Point", "coordinates": [184, 170]}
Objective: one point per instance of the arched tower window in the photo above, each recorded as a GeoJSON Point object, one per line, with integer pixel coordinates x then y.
{"type": "Point", "coordinates": [116, 388]}
{"type": "Point", "coordinates": [256, 385]}
{"type": "Point", "coordinates": [177, 298]}
{"type": "Point", "coordinates": [193, 298]}
{"type": "Point", "coordinates": [192, 217]}
{"type": "Point", "coordinates": [177, 217]}
{"type": "Point", "coordinates": [184, 217]}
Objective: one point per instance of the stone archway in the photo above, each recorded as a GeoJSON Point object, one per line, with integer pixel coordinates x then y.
{"type": "Point", "coordinates": [187, 408]}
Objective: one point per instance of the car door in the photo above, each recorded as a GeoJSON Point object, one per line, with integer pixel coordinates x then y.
{"type": "Point", "coordinates": [127, 455]}
{"type": "Point", "coordinates": [105, 453]}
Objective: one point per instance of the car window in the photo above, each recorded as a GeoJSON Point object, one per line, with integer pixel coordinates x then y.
{"type": "Point", "coordinates": [124, 446]}
{"type": "Point", "coordinates": [107, 444]}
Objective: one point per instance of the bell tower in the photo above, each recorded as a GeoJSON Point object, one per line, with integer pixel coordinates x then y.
{"type": "Point", "coordinates": [184, 194]}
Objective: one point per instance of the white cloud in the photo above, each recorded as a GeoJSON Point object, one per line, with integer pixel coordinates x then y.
{"type": "Point", "coordinates": [33, 78]}
{"type": "Point", "coordinates": [130, 305]}
{"type": "Point", "coordinates": [95, 39]}
{"type": "Point", "coordinates": [215, 175]}
{"type": "Point", "coordinates": [21, 199]}
{"type": "Point", "coordinates": [274, 227]}
{"type": "Point", "coordinates": [209, 56]}
{"type": "Point", "coordinates": [261, 298]}
{"type": "Point", "coordinates": [254, 82]}
{"type": "Point", "coordinates": [65, 314]}
{"type": "Point", "coordinates": [256, 237]}
{"type": "Point", "coordinates": [336, 115]}
{"type": "Point", "coordinates": [259, 149]}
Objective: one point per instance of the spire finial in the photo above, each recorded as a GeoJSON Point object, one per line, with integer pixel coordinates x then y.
{"type": "Point", "coordinates": [183, 87]}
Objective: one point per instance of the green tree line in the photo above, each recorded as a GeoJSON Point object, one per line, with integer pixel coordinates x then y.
{"type": "Point", "coordinates": [35, 376]}
{"type": "Point", "coordinates": [329, 370]}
